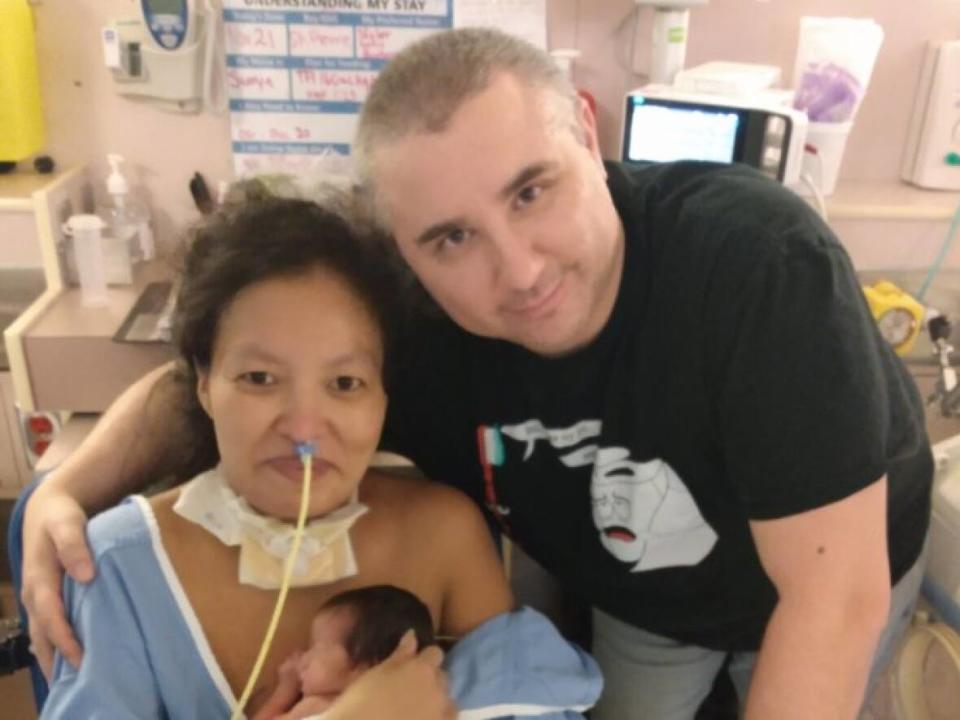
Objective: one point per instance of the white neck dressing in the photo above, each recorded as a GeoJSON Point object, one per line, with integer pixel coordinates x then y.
{"type": "Point", "coordinates": [326, 552]}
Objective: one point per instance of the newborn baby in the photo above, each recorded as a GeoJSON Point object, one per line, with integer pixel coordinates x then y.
{"type": "Point", "coordinates": [352, 632]}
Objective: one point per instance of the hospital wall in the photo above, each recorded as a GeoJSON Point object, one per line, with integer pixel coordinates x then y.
{"type": "Point", "coordinates": [86, 118]}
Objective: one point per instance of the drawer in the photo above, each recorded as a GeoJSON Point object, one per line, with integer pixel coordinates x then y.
{"type": "Point", "coordinates": [19, 246]}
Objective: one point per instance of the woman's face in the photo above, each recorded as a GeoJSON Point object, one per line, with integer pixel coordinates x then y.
{"type": "Point", "coordinates": [295, 359]}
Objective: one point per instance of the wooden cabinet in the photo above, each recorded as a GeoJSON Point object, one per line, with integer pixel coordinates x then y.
{"type": "Point", "coordinates": [32, 209]}
{"type": "Point", "coordinates": [14, 470]}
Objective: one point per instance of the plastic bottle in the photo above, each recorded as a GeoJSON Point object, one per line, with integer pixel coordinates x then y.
{"type": "Point", "coordinates": [88, 254]}
{"type": "Point", "coordinates": [128, 221]}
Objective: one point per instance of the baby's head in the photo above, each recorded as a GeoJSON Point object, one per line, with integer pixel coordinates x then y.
{"type": "Point", "coordinates": [356, 630]}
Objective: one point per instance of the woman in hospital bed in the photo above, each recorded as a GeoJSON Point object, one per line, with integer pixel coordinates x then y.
{"type": "Point", "coordinates": [280, 327]}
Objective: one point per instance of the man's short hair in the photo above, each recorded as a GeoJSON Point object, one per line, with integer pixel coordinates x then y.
{"type": "Point", "coordinates": [421, 88]}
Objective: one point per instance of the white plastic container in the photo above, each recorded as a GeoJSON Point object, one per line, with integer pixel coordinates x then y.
{"type": "Point", "coordinates": [728, 78]}
{"type": "Point", "coordinates": [829, 140]}
{"type": "Point", "coordinates": [942, 580]}
{"type": "Point", "coordinates": [85, 230]}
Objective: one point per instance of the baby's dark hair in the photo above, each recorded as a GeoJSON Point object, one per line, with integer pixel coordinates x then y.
{"type": "Point", "coordinates": [382, 614]}
{"type": "Point", "coordinates": [258, 238]}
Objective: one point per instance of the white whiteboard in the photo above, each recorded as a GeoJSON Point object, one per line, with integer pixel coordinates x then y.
{"type": "Point", "coordinates": [297, 71]}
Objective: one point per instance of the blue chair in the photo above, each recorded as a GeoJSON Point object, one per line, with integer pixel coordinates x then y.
{"type": "Point", "coordinates": [15, 549]}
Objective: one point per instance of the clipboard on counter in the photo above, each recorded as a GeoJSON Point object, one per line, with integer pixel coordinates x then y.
{"type": "Point", "coordinates": [149, 321]}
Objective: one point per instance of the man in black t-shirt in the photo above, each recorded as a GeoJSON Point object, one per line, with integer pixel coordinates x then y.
{"type": "Point", "coordinates": [664, 383]}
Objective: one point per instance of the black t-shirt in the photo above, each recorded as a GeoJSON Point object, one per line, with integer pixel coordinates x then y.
{"type": "Point", "coordinates": [740, 376]}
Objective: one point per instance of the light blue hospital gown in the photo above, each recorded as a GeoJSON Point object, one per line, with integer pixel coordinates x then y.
{"type": "Point", "coordinates": [145, 654]}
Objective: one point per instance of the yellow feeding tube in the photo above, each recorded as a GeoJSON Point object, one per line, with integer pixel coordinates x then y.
{"type": "Point", "coordinates": [306, 452]}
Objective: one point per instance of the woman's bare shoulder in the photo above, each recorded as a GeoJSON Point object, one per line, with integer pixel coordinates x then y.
{"type": "Point", "coordinates": [175, 530]}
{"type": "Point", "coordinates": [407, 488]}
{"type": "Point", "coordinates": [417, 496]}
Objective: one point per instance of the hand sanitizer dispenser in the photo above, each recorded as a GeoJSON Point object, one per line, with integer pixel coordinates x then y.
{"type": "Point", "coordinates": [129, 238]}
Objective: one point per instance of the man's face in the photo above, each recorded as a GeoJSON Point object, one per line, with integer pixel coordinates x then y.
{"type": "Point", "coordinates": [506, 219]}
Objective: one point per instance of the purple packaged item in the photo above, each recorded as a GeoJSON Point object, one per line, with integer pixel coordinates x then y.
{"type": "Point", "coordinates": [827, 92]}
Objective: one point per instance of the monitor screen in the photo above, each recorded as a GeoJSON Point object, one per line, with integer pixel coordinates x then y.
{"type": "Point", "coordinates": [659, 132]}
{"type": "Point", "coordinates": [167, 7]}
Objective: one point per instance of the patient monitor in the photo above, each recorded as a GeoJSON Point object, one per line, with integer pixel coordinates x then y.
{"type": "Point", "coordinates": [662, 123]}
{"type": "Point", "coordinates": [165, 55]}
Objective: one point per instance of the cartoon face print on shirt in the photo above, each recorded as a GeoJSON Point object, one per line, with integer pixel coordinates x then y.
{"type": "Point", "coordinates": [645, 514]}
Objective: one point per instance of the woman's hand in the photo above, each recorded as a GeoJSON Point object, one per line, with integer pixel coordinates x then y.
{"type": "Point", "coordinates": [53, 540]}
{"type": "Point", "coordinates": [406, 686]}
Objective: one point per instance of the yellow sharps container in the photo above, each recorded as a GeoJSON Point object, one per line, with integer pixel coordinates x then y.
{"type": "Point", "coordinates": [21, 119]}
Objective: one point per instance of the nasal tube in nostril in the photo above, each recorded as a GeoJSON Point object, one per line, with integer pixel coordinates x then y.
{"type": "Point", "coordinates": [305, 450]}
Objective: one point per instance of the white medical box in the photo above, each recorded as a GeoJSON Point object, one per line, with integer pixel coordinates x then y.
{"type": "Point", "coordinates": [727, 78]}
{"type": "Point", "coordinates": [941, 583]}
